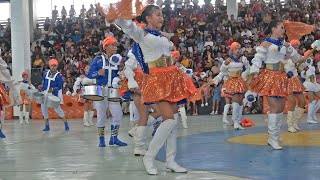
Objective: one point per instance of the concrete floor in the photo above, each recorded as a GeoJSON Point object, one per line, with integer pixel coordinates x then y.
{"type": "Point", "coordinates": [29, 153]}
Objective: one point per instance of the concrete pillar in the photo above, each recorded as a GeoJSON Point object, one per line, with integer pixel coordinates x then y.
{"type": "Point", "coordinates": [232, 8]}
{"type": "Point", "coordinates": [20, 39]}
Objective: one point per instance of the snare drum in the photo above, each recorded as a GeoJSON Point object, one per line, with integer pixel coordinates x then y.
{"type": "Point", "coordinates": [38, 97]}
{"type": "Point", "coordinates": [93, 93]}
{"type": "Point", "coordinates": [114, 95]}
{"type": "Point", "coordinates": [53, 101]}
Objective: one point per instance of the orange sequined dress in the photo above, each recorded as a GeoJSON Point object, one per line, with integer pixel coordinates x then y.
{"type": "Point", "coordinates": [167, 84]}
{"type": "Point", "coordinates": [4, 96]}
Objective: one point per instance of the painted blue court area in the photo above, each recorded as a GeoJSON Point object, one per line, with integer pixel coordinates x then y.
{"type": "Point", "coordinates": [211, 152]}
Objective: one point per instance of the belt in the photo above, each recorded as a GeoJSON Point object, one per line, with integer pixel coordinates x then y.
{"type": "Point", "coordinates": [275, 67]}
{"type": "Point", "coordinates": [234, 73]}
{"type": "Point", "coordinates": [310, 78]}
{"type": "Point", "coordinates": [161, 62]}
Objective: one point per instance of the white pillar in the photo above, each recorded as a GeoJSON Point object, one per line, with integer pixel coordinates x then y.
{"type": "Point", "coordinates": [20, 39]}
{"type": "Point", "coordinates": [232, 8]}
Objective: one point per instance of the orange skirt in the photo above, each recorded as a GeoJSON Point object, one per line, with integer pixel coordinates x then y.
{"type": "Point", "coordinates": [235, 86]}
{"type": "Point", "coordinates": [25, 99]}
{"type": "Point", "coordinates": [295, 85]}
{"type": "Point", "coordinates": [223, 92]}
{"type": "Point", "coordinates": [271, 83]}
{"type": "Point", "coordinates": [139, 75]}
{"type": "Point", "coordinates": [4, 96]}
{"type": "Point", "coordinates": [166, 84]}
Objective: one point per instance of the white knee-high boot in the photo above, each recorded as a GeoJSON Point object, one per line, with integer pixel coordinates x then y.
{"type": "Point", "coordinates": [156, 143]}
{"type": "Point", "coordinates": [90, 117]}
{"type": "Point", "coordinates": [297, 113]}
{"type": "Point", "coordinates": [86, 118]}
{"type": "Point", "coordinates": [21, 117]}
{"type": "Point", "coordinates": [274, 130]}
{"type": "Point", "coordinates": [225, 113]}
{"type": "Point", "coordinates": [240, 117]}
{"type": "Point", "coordinates": [26, 117]}
{"type": "Point", "coordinates": [171, 151]}
{"type": "Point", "coordinates": [184, 117]}
{"type": "Point", "coordinates": [315, 111]}
{"type": "Point", "coordinates": [290, 119]}
{"type": "Point", "coordinates": [311, 108]}
{"type": "Point", "coordinates": [140, 137]}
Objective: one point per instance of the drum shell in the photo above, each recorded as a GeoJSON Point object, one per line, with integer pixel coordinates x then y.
{"type": "Point", "coordinates": [53, 101]}
{"type": "Point", "coordinates": [113, 95]}
{"type": "Point", "coordinates": [93, 93]}
{"type": "Point", "coordinates": [38, 97]}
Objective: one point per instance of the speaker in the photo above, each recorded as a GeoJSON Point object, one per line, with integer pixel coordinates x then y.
{"type": "Point", "coordinates": [36, 77]}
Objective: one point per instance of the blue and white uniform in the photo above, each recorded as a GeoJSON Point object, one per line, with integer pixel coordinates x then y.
{"type": "Point", "coordinates": [54, 81]}
{"type": "Point", "coordinates": [102, 62]}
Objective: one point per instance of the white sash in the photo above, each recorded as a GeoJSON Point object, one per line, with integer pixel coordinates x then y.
{"type": "Point", "coordinates": [50, 79]}
{"type": "Point", "coordinates": [110, 68]}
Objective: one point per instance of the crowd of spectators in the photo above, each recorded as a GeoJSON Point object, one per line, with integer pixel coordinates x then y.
{"type": "Point", "coordinates": [202, 34]}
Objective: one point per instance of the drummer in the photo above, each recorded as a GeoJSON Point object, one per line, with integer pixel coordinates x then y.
{"type": "Point", "coordinates": [52, 85]}
{"type": "Point", "coordinates": [25, 86]}
{"type": "Point", "coordinates": [99, 71]}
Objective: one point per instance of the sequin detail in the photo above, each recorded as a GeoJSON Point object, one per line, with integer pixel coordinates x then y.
{"type": "Point", "coordinates": [25, 99]}
{"type": "Point", "coordinates": [295, 85]}
{"type": "Point", "coordinates": [235, 85]}
{"type": "Point", "coordinates": [271, 83]}
{"type": "Point", "coordinates": [166, 84]}
{"type": "Point", "coordinates": [4, 96]}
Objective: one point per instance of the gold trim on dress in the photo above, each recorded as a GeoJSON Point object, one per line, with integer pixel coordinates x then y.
{"type": "Point", "coordinates": [310, 78]}
{"type": "Point", "coordinates": [234, 74]}
{"type": "Point", "coordinates": [275, 67]}
{"type": "Point", "coordinates": [163, 61]}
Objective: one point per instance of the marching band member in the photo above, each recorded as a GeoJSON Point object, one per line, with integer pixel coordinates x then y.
{"type": "Point", "coordinates": [312, 90]}
{"type": "Point", "coordinates": [235, 85]}
{"type": "Point", "coordinates": [135, 76]}
{"type": "Point", "coordinates": [52, 85]}
{"type": "Point", "coordinates": [163, 83]}
{"type": "Point", "coordinates": [295, 90]}
{"type": "Point", "coordinates": [273, 81]}
{"type": "Point", "coordinates": [7, 98]}
{"type": "Point", "coordinates": [25, 86]}
{"type": "Point", "coordinates": [80, 82]}
{"type": "Point", "coordinates": [103, 69]}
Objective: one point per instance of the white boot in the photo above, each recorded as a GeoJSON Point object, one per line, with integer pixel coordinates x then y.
{"type": "Point", "coordinates": [235, 115]}
{"type": "Point", "coordinates": [151, 121]}
{"type": "Point", "coordinates": [132, 131]}
{"type": "Point", "coordinates": [91, 114]}
{"type": "Point", "coordinates": [21, 117]}
{"type": "Point", "coordinates": [290, 122]}
{"type": "Point", "coordinates": [225, 113]}
{"type": "Point", "coordinates": [274, 130]}
{"type": "Point", "coordinates": [171, 151]}
{"type": "Point", "coordinates": [26, 117]}
{"type": "Point", "coordinates": [298, 113]}
{"type": "Point", "coordinates": [311, 108]}
{"type": "Point", "coordinates": [184, 117]}
{"type": "Point", "coordinates": [85, 119]}
{"type": "Point", "coordinates": [315, 111]}
{"type": "Point", "coordinates": [240, 118]}
{"type": "Point", "coordinates": [140, 139]}
{"type": "Point", "coordinates": [156, 143]}
{"type": "Point", "coordinates": [3, 115]}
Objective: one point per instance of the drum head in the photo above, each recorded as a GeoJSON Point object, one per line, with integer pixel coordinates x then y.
{"type": "Point", "coordinates": [114, 99]}
{"type": "Point", "coordinates": [93, 97]}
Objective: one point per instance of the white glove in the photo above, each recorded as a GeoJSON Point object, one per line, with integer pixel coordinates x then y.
{"type": "Point", "coordinates": [74, 94]}
{"type": "Point", "coordinates": [87, 81]}
{"type": "Point", "coordinates": [316, 44]}
{"type": "Point", "coordinates": [68, 93]}
{"type": "Point", "coordinates": [132, 84]}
